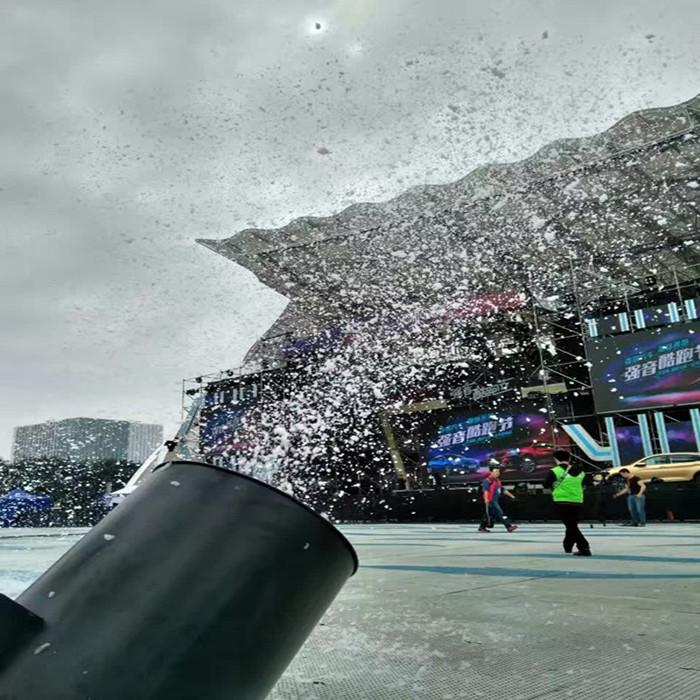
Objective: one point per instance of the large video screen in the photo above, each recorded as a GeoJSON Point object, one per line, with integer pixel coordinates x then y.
{"type": "Point", "coordinates": [646, 369]}
{"type": "Point", "coordinates": [522, 441]}
{"type": "Point", "coordinates": [224, 430]}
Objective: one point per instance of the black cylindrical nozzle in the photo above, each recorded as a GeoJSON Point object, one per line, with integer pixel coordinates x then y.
{"type": "Point", "coordinates": [203, 583]}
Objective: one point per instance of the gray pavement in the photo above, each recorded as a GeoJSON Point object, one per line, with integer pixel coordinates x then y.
{"type": "Point", "coordinates": [445, 612]}
{"type": "Point", "coordinates": [441, 611]}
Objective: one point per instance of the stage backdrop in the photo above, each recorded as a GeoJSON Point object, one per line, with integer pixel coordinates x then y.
{"type": "Point", "coordinates": [681, 437]}
{"type": "Point", "coordinates": [520, 439]}
{"type": "Point", "coordinates": [646, 369]}
{"type": "Point", "coordinates": [629, 443]}
{"type": "Point", "coordinates": [223, 431]}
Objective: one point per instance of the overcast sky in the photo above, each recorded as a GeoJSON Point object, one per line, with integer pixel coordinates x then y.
{"type": "Point", "coordinates": [129, 128]}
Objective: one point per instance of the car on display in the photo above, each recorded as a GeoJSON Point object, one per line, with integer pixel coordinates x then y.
{"type": "Point", "coordinates": [454, 469]}
{"type": "Point", "coordinates": [460, 476]}
{"type": "Point", "coordinates": [670, 466]}
{"type": "Point", "coordinates": [450, 461]}
{"type": "Point", "coordinates": [525, 459]}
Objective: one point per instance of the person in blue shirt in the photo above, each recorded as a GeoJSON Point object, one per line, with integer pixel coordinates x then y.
{"type": "Point", "coordinates": [492, 489]}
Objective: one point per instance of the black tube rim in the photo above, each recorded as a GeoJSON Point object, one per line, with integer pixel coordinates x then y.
{"type": "Point", "coordinates": [327, 523]}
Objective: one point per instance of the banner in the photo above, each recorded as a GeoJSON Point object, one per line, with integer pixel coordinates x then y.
{"type": "Point", "coordinates": [475, 392]}
{"type": "Point", "coordinates": [646, 369]}
{"type": "Point", "coordinates": [521, 441]}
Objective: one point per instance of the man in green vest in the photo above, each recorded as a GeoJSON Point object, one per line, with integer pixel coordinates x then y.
{"type": "Point", "coordinates": [566, 482]}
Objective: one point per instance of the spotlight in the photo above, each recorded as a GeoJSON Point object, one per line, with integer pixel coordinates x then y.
{"type": "Point", "coordinates": [650, 281]}
{"type": "Point", "coordinates": [568, 299]}
{"type": "Point", "coordinates": [198, 380]}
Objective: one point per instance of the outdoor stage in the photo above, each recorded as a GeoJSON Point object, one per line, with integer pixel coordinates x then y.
{"type": "Point", "coordinates": [442, 612]}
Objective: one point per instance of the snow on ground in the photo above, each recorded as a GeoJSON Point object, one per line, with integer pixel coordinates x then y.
{"type": "Point", "coordinates": [25, 553]}
{"type": "Point", "coordinates": [441, 611]}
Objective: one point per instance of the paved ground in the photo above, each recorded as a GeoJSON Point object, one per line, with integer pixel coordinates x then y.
{"type": "Point", "coordinates": [440, 611]}
{"type": "Point", "coordinates": [25, 553]}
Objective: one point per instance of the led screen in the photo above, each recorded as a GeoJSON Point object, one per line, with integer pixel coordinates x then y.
{"type": "Point", "coordinates": [681, 437]}
{"type": "Point", "coordinates": [521, 441]}
{"type": "Point", "coordinates": [646, 369]}
{"type": "Point", "coordinates": [223, 430]}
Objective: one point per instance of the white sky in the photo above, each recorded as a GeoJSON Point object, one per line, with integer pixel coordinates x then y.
{"type": "Point", "coordinates": [128, 129]}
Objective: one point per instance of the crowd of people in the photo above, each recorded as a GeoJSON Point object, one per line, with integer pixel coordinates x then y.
{"type": "Point", "coordinates": [566, 482]}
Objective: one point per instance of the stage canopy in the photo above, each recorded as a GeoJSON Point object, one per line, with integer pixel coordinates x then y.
{"type": "Point", "coordinates": [610, 208]}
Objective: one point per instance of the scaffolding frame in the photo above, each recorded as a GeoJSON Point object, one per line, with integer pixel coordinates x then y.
{"type": "Point", "coordinates": [680, 279]}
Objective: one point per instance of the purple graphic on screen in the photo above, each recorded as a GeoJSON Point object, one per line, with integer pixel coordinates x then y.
{"type": "Point", "coordinates": [681, 437]}
{"type": "Point", "coordinates": [629, 443]}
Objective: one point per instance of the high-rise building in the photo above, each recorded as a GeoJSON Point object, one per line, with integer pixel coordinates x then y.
{"type": "Point", "coordinates": [143, 439]}
{"type": "Point", "coordinates": [86, 440]}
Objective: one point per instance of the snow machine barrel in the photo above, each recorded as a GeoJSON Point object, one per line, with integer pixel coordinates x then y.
{"type": "Point", "coordinates": [203, 583]}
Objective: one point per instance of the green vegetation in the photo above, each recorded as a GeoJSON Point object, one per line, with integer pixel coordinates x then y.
{"type": "Point", "coordinates": [76, 489]}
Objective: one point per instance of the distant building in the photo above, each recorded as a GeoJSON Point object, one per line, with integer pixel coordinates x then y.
{"type": "Point", "coordinates": [86, 440]}
{"type": "Point", "coordinates": [143, 439]}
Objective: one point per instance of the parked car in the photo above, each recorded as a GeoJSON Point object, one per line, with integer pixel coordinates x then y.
{"type": "Point", "coordinates": [675, 466]}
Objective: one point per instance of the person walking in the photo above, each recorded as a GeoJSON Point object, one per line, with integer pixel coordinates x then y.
{"type": "Point", "coordinates": [636, 500]}
{"type": "Point", "coordinates": [492, 489]}
{"type": "Point", "coordinates": [566, 482]}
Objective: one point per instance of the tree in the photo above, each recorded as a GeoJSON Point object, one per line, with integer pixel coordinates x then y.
{"type": "Point", "coordinates": [76, 489]}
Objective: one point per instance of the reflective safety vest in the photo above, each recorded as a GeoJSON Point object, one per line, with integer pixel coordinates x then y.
{"type": "Point", "coordinates": [567, 488]}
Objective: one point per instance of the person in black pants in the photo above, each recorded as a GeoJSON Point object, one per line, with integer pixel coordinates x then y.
{"type": "Point", "coordinates": [566, 482]}
{"type": "Point", "coordinates": [601, 492]}
{"type": "Point", "coordinates": [570, 515]}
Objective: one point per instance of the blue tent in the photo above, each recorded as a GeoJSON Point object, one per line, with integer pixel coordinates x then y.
{"type": "Point", "coordinates": [19, 502]}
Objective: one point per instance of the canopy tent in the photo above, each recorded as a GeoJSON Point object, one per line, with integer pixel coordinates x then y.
{"type": "Point", "coordinates": [18, 503]}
